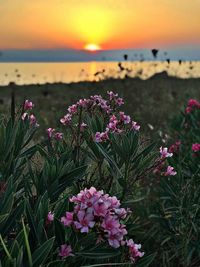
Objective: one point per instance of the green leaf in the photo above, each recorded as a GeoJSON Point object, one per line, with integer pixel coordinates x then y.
{"type": "Point", "coordinates": [109, 264]}
{"type": "Point", "coordinates": [3, 217]}
{"type": "Point", "coordinates": [146, 261]}
{"type": "Point", "coordinates": [39, 256]}
{"type": "Point", "coordinates": [99, 254]}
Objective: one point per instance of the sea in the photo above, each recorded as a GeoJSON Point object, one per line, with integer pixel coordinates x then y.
{"type": "Point", "coordinates": [41, 73]}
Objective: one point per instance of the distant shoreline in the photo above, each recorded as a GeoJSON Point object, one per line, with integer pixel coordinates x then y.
{"type": "Point", "coordinates": [100, 61]}
{"type": "Point", "coordinates": [163, 76]}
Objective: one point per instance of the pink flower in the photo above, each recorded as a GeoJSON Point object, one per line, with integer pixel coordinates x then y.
{"type": "Point", "coordinates": [67, 220]}
{"type": "Point", "coordinates": [50, 132]}
{"type": "Point", "coordinates": [58, 136]}
{"type": "Point", "coordinates": [110, 223]}
{"type": "Point", "coordinates": [83, 126]}
{"type": "Point", "coordinates": [101, 137]}
{"type": "Point", "coordinates": [113, 240]}
{"type": "Point", "coordinates": [196, 147]}
{"type": "Point", "coordinates": [24, 116]}
{"type": "Point", "coordinates": [98, 137]}
{"type": "Point", "coordinates": [116, 235]}
{"type": "Point", "coordinates": [31, 118]}
{"type": "Point", "coordinates": [50, 217]}
{"type": "Point", "coordinates": [170, 171]}
{"type": "Point", "coordinates": [72, 109]}
{"type": "Point", "coordinates": [193, 103]}
{"type": "Point", "coordinates": [103, 104]}
{"type": "Point", "coordinates": [33, 121]}
{"type": "Point", "coordinates": [164, 152]}
{"type": "Point", "coordinates": [115, 203]}
{"type": "Point", "coordinates": [86, 221]}
{"type": "Point", "coordinates": [100, 209]}
{"type": "Point", "coordinates": [119, 101]}
{"type": "Point", "coordinates": [175, 147]}
{"type": "Point", "coordinates": [112, 95]}
{"type": "Point", "coordinates": [28, 105]}
{"type": "Point", "coordinates": [135, 126]}
{"type": "Point", "coordinates": [65, 251]}
{"type": "Point", "coordinates": [124, 118]}
{"type": "Point", "coordinates": [66, 119]}
{"type": "Point", "coordinates": [83, 102]}
{"type": "Point", "coordinates": [134, 250]}
{"type": "Point", "coordinates": [122, 213]}
{"type": "Point", "coordinates": [113, 118]}
{"type": "Point", "coordinates": [188, 110]}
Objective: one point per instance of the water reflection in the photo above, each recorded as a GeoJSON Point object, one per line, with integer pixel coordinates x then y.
{"type": "Point", "coordinates": [39, 73]}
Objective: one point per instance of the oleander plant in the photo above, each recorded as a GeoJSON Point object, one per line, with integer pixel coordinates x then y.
{"type": "Point", "coordinates": [96, 192]}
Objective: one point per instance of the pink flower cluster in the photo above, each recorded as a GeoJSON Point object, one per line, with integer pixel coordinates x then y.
{"type": "Point", "coordinates": [51, 132]}
{"type": "Point", "coordinates": [160, 169]}
{"type": "Point", "coordinates": [91, 103]}
{"type": "Point", "coordinates": [101, 137]}
{"type": "Point", "coordinates": [114, 97]}
{"type": "Point", "coordinates": [174, 148]}
{"type": "Point", "coordinates": [28, 105]}
{"type": "Point", "coordinates": [192, 105]}
{"type": "Point", "coordinates": [103, 214]}
{"type": "Point", "coordinates": [65, 251]}
{"type": "Point", "coordinates": [50, 217]}
{"type": "Point", "coordinates": [170, 171]}
{"type": "Point", "coordinates": [164, 153]}
{"type": "Point", "coordinates": [196, 148]}
{"type": "Point", "coordinates": [117, 125]}
{"type": "Point", "coordinates": [134, 250]}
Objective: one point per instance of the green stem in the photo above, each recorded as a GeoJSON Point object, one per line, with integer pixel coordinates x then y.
{"type": "Point", "coordinates": [78, 137]}
{"type": "Point", "coordinates": [27, 245]}
{"type": "Point", "coordinates": [5, 248]}
{"type": "Point", "coordinates": [125, 179]}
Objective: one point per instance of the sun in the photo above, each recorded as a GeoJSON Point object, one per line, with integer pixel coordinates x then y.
{"type": "Point", "coordinates": [92, 47]}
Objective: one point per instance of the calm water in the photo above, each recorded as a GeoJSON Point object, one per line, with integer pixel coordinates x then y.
{"type": "Point", "coordinates": [31, 73]}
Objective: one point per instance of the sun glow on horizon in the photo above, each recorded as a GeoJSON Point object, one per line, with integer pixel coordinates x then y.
{"type": "Point", "coordinates": [92, 47]}
{"type": "Point", "coordinates": [93, 26]}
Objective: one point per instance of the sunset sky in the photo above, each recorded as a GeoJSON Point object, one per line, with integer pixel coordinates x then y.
{"type": "Point", "coordinates": [108, 24]}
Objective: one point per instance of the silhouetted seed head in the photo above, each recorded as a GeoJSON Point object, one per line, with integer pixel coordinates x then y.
{"type": "Point", "coordinates": [97, 73]}
{"type": "Point", "coordinates": [125, 57]}
{"type": "Point", "coordinates": [120, 66]}
{"type": "Point", "coordinates": [168, 60]}
{"type": "Point", "coordinates": [180, 61]}
{"type": "Point", "coordinates": [154, 52]}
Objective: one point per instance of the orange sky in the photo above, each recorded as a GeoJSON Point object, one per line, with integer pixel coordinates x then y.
{"type": "Point", "coordinates": [111, 24]}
